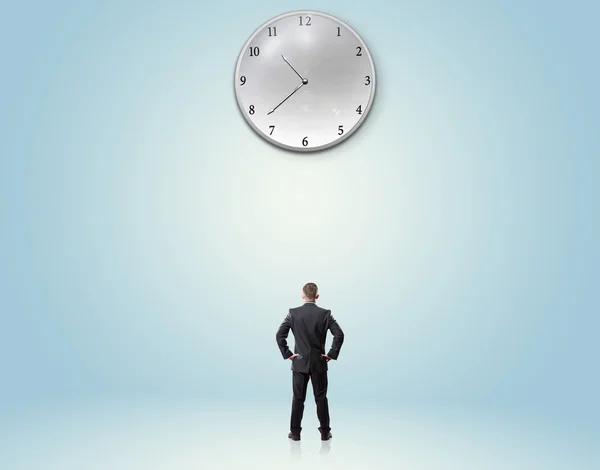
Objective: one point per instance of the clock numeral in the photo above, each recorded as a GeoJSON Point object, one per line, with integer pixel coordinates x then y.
{"type": "Point", "coordinates": [251, 109]}
{"type": "Point", "coordinates": [338, 31]}
{"type": "Point", "coordinates": [272, 31]}
{"type": "Point", "coordinates": [305, 141]}
{"type": "Point", "coordinates": [340, 130]}
{"type": "Point", "coordinates": [272, 129]}
{"type": "Point", "coordinates": [358, 51]}
{"type": "Point", "coordinates": [306, 22]}
{"type": "Point", "coordinates": [367, 80]}
{"type": "Point", "coordinates": [359, 109]}
{"type": "Point", "coordinates": [254, 51]}
{"type": "Point", "coordinates": [242, 80]}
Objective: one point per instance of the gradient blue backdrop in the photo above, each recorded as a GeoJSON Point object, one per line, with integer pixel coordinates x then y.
{"type": "Point", "coordinates": [151, 243]}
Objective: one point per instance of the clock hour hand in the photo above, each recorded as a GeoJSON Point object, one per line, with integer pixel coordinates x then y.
{"type": "Point", "coordinates": [288, 62]}
{"type": "Point", "coordinates": [283, 100]}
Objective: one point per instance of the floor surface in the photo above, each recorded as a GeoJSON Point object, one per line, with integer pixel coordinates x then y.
{"type": "Point", "coordinates": [184, 438]}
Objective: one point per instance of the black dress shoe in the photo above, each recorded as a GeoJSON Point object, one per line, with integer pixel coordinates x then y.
{"type": "Point", "coordinates": [293, 436]}
{"type": "Point", "coordinates": [325, 436]}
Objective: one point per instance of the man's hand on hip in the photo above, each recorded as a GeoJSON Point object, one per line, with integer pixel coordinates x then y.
{"type": "Point", "coordinates": [327, 357]}
{"type": "Point", "coordinates": [291, 358]}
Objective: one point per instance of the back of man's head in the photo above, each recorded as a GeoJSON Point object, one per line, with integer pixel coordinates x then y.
{"type": "Point", "coordinates": [310, 291]}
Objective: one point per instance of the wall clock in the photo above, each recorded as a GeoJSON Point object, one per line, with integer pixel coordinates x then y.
{"type": "Point", "coordinates": [305, 81]}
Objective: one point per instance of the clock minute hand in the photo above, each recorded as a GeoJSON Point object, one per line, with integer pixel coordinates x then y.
{"type": "Point", "coordinates": [297, 73]}
{"type": "Point", "coordinates": [283, 100]}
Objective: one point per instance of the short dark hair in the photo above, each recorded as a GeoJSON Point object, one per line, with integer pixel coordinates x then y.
{"type": "Point", "coordinates": [310, 290]}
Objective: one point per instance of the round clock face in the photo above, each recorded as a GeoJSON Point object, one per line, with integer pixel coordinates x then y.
{"type": "Point", "coordinates": [305, 81]}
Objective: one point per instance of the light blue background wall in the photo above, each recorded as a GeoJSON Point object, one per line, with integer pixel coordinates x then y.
{"type": "Point", "coordinates": [151, 243]}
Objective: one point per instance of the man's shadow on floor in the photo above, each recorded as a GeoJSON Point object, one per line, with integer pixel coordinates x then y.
{"type": "Point", "coordinates": [296, 449]}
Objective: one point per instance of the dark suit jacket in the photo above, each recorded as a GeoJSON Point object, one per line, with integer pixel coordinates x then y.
{"type": "Point", "coordinates": [309, 324]}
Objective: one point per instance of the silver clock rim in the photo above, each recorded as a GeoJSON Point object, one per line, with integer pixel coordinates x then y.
{"type": "Point", "coordinates": [341, 138]}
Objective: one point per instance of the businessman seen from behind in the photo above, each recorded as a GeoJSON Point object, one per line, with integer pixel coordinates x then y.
{"type": "Point", "coordinates": [309, 324]}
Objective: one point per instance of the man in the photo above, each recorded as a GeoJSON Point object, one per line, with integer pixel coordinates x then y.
{"type": "Point", "coordinates": [309, 324]}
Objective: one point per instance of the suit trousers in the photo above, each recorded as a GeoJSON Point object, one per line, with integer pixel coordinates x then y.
{"type": "Point", "coordinates": [319, 386]}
